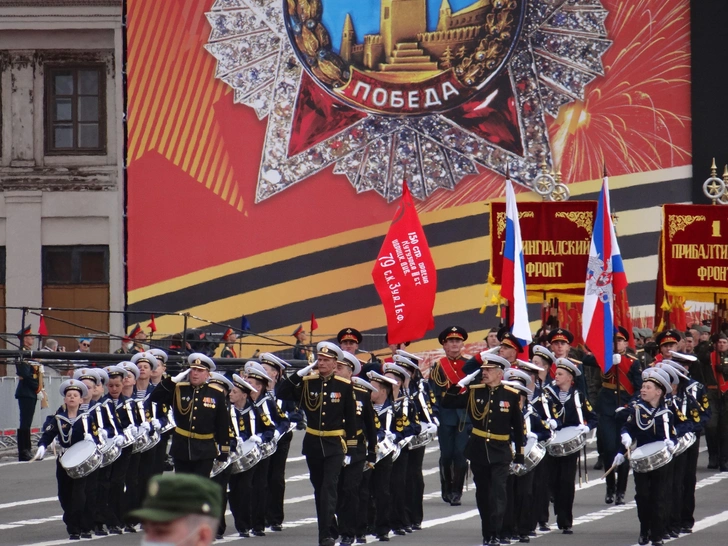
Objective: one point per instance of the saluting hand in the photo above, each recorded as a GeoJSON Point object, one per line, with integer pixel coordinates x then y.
{"type": "Point", "coordinates": [180, 376]}
{"type": "Point", "coordinates": [468, 379]}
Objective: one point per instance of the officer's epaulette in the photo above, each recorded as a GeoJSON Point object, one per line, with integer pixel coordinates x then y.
{"type": "Point", "coordinates": [313, 375]}
{"type": "Point", "coordinates": [216, 387]}
{"type": "Point", "coordinates": [575, 361]}
{"type": "Point", "coordinates": [343, 379]}
{"type": "Point", "coordinates": [511, 389]}
{"type": "Point", "coordinates": [631, 356]}
{"type": "Point", "coordinates": [183, 383]}
{"type": "Point", "coordinates": [478, 386]}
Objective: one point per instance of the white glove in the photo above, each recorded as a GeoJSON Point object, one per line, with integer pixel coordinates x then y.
{"type": "Point", "coordinates": [618, 459]}
{"type": "Point", "coordinates": [390, 435]}
{"type": "Point", "coordinates": [432, 429]}
{"type": "Point", "coordinates": [626, 440]}
{"type": "Point", "coordinates": [436, 421]}
{"type": "Point", "coordinates": [532, 435]}
{"type": "Point", "coordinates": [88, 437]}
{"type": "Point", "coordinates": [41, 369]}
{"type": "Point", "coordinates": [256, 439]}
{"type": "Point", "coordinates": [145, 426]}
{"type": "Point", "coordinates": [276, 435]}
{"type": "Point", "coordinates": [670, 445]}
{"type": "Point", "coordinates": [305, 371]}
{"type": "Point", "coordinates": [180, 376]}
{"type": "Point", "coordinates": [347, 460]}
{"type": "Point", "coordinates": [134, 430]}
{"type": "Point", "coordinates": [39, 454]}
{"type": "Point", "coordinates": [119, 440]}
{"type": "Point", "coordinates": [103, 435]}
{"type": "Point", "coordinates": [39, 396]}
{"type": "Point", "coordinates": [616, 359]}
{"type": "Point", "coordinates": [468, 379]}
{"type": "Point", "coordinates": [553, 425]}
{"type": "Point", "coordinates": [156, 424]}
{"type": "Point", "coordinates": [583, 428]}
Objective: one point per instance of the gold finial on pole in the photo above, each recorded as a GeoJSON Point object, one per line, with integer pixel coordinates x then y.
{"type": "Point", "coordinates": [714, 187]}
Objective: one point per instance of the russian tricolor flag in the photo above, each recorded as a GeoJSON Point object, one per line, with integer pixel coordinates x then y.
{"type": "Point", "coordinates": [605, 276]}
{"type": "Point", "coordinates": [513, 279]}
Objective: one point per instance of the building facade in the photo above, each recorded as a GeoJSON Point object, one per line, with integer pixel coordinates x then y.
{"type": "Point", "coordinates": [61, 164]}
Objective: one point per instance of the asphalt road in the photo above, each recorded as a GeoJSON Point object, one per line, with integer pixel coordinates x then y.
{"type": "Point", "coordinates": [30, 514]}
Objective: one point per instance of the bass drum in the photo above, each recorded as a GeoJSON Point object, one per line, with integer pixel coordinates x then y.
{"type": "Point", "coordinates": [81, 459]}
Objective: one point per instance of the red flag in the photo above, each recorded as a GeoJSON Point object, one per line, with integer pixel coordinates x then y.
{"type": "Point", "coordinates": [152, 326]}
{"type": "Point", "coordinates": [405, 276]}
{"type": "Point", "coordinates": [314, 324]}
{"type": "Point", "coordinates": [42, 329]}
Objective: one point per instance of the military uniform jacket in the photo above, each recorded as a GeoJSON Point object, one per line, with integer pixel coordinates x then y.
{"type": "Point", "coordinates": [28, 384]}
{"type": "Point", "coordinates": [574, 411]}
{"type": "Point", "coordinates": [690, 405]}
{"type": "Point", "coordinates": [202, 419]}
{"type": "Point", "coordinates": [497, 421]}
{"type": "Point", "coordinates": [68, 430]}
{"type": "Point", "coordinates": [228, 352]}
{"type": "Point", "coordinates": [646, 424]}
{"type": "Point", "coordinates": [532, 422]}
{"type": "Point", "coordinates": [424, 402]}
{"type": "Point", "coordinates": [440, 383]}
{"type": "Point", "coordinates": [384, 421]}
{"type": "Point", "coordinates": [118, 407]}
{"type": "Point", "coordinates": [271, 415]}
{"type": "Point", "coordinates": [366, 429]}
{"type": "Point", "coordinates": [330, 408]}
{"type": "Point", "coordinates": [405, 417]}
{"type": "Point", "coordinates": [628, 377]}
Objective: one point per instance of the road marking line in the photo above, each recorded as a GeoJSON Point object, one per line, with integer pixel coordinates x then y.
{"type": "Point", "coordinates": [295, 500]}
{"type": "Point", "coordinates": [26, 502]}
{"type": "Point", "coordinates": [705, 523]}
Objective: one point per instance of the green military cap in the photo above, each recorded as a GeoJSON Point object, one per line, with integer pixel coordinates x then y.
{"type": "Point", "coordinates": [173, 496]}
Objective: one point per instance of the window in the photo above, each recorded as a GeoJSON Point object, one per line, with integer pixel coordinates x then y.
{"type": "Point", "coordinates": [75, 114]}
{"type": "Point", "coordinates": [75, 265]}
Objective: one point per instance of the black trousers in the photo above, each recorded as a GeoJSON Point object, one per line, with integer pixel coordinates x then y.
{"type": "Point", "coordinates": [223, 478]}
{"type": "Point", "coordinates": [146, 471]}
{"type": "Point", "coordinates": [518, 518]}
{"type": "Point", "coordinates": [541, 493]}
{"type": "Point", "coordinates": [380, 495]}
{"type": "Point", "coordinates": [117, 480]}
{"type": "Point", "coordinates": [687, 514]}
{"type": "Point", "coordinates": [260, 486]}
{"type": "Point", "coordinates": [452, 457]}
{"type": "Point", "coordinates": [92, 508]}
{"type": "Point", "coordinates": [201, 467]}
{"type": "Point", "coordinates": [103, 485]}
{"type": "Point", "coordinates": [160, 454]}
{"type": "Point", "coordinates": [131, 481]}
{"type": "Point", "coordinates": [716, 429]}
{"type": "Point", "coordinates": [241, 499]}
{"type": "Point", "coordinates": [676, 492]}
{"type": "Point", "coordinates": [277, 481]}
{"type": "Point", "coordinates": [362, 513]}
{"type": "Point", "coordinates": [652, 496]}
{"type": "Point", "coordinates": [608, 441]}
{"type": "Point", "coordinates": [324, 476]}
{"type": "Point", "coordinates": [347, 505]}
{"type": "Point", "coordinates": [72, 496]}
{"type": "Point", "coordinates": [490, 494]}
{"type": "Point", "coordinates": [398, 481]}
{"type": "Point", "coordinates": [27, 411]}
{"type": "Point", "coordinates": [415, 486]}
{"type": "Point", "coordinates": [563, 474]}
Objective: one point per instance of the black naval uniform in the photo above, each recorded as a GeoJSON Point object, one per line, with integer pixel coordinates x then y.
{"type": "Point", "coordinates": [202, 432]}
{"type": "Point", "coordinates": [497, 420]}
{"type": "Point", "coordinates": [27, 395]}
{"type": "Point", "coordinates": [330, 408]}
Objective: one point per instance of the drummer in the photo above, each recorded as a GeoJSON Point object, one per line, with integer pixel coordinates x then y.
{"type": "Point", "coordinates": [223, 477]}
{"type": "Point", "coordinates": [132, 495]}
{"type": "Point", "coordinates": [69, 425]}
{"type": "Point", "coordinates": [650, 421]}
{"type": "Point", "coordinates": [497, 421]}
{"type": "Point", "coordinates": [543, 358]}
{"type": "Point", "coordinates": [270, 428]}
{"type": "Point", "coordinates": [380, 491]}
{"type": "Point", "coordinates": [245, 427]}
{"type": "Point", "coordinates": [519, 522]}
{"type": "Point", "coordinates": [566, 406]}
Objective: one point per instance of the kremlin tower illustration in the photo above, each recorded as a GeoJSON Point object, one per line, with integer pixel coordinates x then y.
{"type": "Point", "coordinates": [404, 47]}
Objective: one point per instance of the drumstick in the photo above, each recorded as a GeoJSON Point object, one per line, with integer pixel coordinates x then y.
{"type": "Point", "coordinates": [608, 472]}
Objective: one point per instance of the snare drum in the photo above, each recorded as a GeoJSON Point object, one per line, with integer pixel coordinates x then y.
{"type": "Point", "coordinates": [566, 441]}
{"type": "Point", "coordinates": [267, 449]}
{"type": "Point", "coordinates": [533, 453]}
{"type": "Point", "coordinates": [650, 457]}
{"type": "Point", "coordinates": [81, 459]}
{"type": "Point", "coordinates": [421, 440]}
{"type": "Point", "coordinates": [249, 456]}
{"type": "Point", "coordinates": [683, 443]}
{"type": "Point", "coordinates": [384, 448]}
{"type": "Point", "coordinates": [128, 437]}
{"type": "Point", "coordinates": [109, 453]}
{"type": "Point", "coordinates": [218, 466]}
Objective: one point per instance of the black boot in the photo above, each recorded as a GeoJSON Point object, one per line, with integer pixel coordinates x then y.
{"type": "Point", "coordinates": [23, 437]}
{"type": "Point", "coordinates": [458, 480]}
{"type": "Point", "coordinates": [446, 481]}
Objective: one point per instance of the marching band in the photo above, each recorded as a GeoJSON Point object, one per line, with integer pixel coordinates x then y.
{"type": "Point", "coordinates": [520, 427]}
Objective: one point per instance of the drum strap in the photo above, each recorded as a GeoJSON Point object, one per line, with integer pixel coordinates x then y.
{"type": "Point", "coordinates": [405, 407]}
{"type": "Point", "coordinates": [140, 407]}
{"type": "Point", "coordinates": [251, 419]}
{"type": "Point", "coordinates": [421, 398]}
{"type": "Point", "coordinates": [130, 413]}
{"type": "Point", "coordinates": [112, 419]}
{"type": "Point", "coordinates": [577, 403]}
{"type": "Point", "coordinates": [527, 419]}
{"type": "Point", "coordinates": [666, 425]}
{"type": "Point", "coordinates": [234, 419]}
{"type": "Point", "coordinates": [389, 420]}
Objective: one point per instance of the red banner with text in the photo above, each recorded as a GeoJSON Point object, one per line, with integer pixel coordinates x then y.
{"type": "Point", "coordinates": [405, 277]}
{"type": "Point", "coordinates": [556, 238]}
{"type": "Point", "coordinates": [695, 250]}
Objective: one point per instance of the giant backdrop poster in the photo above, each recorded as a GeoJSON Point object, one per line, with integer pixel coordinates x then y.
{"type": "Point", "coordinates": [267, 141]}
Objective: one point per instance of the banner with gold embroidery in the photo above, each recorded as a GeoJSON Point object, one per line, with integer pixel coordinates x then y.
{"type": "Point", "coordinates": [556, 238]}
{"type": "Point", "coordinates": [695, 250]}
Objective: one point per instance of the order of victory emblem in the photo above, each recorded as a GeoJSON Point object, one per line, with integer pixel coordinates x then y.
{"type": "Point", "coordinates": [430, 90]}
